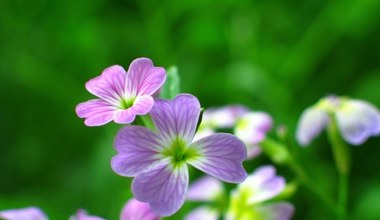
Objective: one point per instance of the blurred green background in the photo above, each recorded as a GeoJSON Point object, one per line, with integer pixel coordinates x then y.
{"type": "Point", "coordinates": [277, 56]}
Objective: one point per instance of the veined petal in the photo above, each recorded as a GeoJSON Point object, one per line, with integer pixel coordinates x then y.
{"type": "Point", "coordinates": [205, 188]}
{"type": "Point", "coordinates": [202, 213]}
{"type": "Point", "coordinates": [142, 105]}
{"type": "Point", "coordinates": [82, 215]}
{"type": "Point", "coordinates": [357, 121]}
{"type": "Point", "coordinates": [137, 148]}
{"type": "Point", "coordinates": [135, 210]}
{"type": "Point", "coordinates": [97, 112]}
{"type": "Point", "coordinates": [221, 156]}
{"type": "Point", "coordinates": [262, 185]}
{"type": "Point", "coordinates": [109, 85]}
{"type": "Point", "coordinates": [30, 213]}
{"type": "Point", "coordinates": [143, 78]}
{"type": "Point", "coordinates": [276, 211]}
{"type": "Point", "coordinates": [163, 187]}
{"type": "Point", "coordinates": [124, 116]}
{"type": "Point", "coordinates": [176, 118]}
{"type": "Point", "coordinates": [313, 120]}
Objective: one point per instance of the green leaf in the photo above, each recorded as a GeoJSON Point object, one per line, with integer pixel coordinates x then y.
{"type": "Point", "coordinates": [171, 87]}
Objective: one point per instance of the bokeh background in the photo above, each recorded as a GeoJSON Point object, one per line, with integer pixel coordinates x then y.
{"type": "Point", "coordinates": [273, 55]}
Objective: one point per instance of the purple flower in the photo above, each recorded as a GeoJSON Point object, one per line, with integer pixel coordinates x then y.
{"type": "Point", "coordinates": [203, 213]}
{"type": "Point", "coordinates": [82, 215]}
{"type": "Point", "coordinates": [223, 117]}
{"type": "Point", "coordinates": [248, 201]}
{"type": "Point", "coordinates": [30, 213]}
{"type": "Point", "coordinates": [122, 95]}
{"type": "Point", "coordinates": [206, 188]}
{"type": "Point", "coordinates": [357, 120]}
{"type": "Point", "coordinates": [252, 128]}
{"type": "Point", "coordinates": [158, 160]}
{"type": "Point", "coordinates": [135, 210]}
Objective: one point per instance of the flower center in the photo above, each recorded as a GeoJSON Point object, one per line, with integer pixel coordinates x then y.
{"type": "Point", "coordinates": [126, 103]}
{"type": "Point", "coordinates": [178, 152]}
{"type": "Point", "coordinates": [240, 208]}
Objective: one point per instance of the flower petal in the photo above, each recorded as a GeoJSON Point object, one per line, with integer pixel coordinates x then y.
{"type": "Point", "coordinates": [96, 111]}
{"type": "Point", "coordinates": [124, 116]}
{"type": "Point", "coordinates": [135, 210]}
{"type": "Point", "coordinates": [30, 213]}
{"type": "Point", "coordinates": [143, 78]}
{"type": "Point", "coordinates": [177, 118]}
{"type": "Point", "coordinates": [224, 117]}
{"type": "Point", "coordinates": [82, 215]}
{"type": "Point", "coordinates": [276, 211]}
{"type": "Point", "coordinates": [137, 148]}
{"type": "Point", "coordinates": [313, 120]}
{"type": "Point", "coordinates": [110, 85]}
{"type": "Point", "coordinates": [142, 105]}
{"type": "Point", "coordinates": [163, 187]}
{"type": "Point", "coordinates": [222, 157]}
{"type": "Point", "coordinates": [253, 126]}
{"type": "Point", "coordinates": [357, 121]}
{"type": "Point", "coordinates": [202, 213]}
{"type": "Point", "coordinates": [206, 188]}
{"type": "Point", "coordinates": [202, 133]}
{"type": "Point", "coordinates": [263, 184]}
{"type": "Point", "coordinates": [252, 151]}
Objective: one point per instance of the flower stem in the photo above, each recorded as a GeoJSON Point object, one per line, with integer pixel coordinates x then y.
{"type": "Point", "coordinates": [342, 161]}
{"type": "Point", "coordinates": [305, 179]}
{"type": "Point", "coordinates": [145, 121]}
{"type": "Point", "coordinates": [342, 196]}
{"type": "Point", "coordinates": [280, 154]}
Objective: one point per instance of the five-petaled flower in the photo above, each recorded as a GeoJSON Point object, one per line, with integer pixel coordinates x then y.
{"type": "Point", "coordinates": [123, 95]}
{"type": "Point", "coordinates": [357, 120]}
{"type": "Point", "coordinates": [158, 159]}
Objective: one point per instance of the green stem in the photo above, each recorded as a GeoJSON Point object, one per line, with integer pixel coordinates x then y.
{"type": "Point", "coordinates": [342, 196]}
{"type": "Point", "coordinates": [279, 154]}
{"type": "Point", "coordinates": [305, 179]}
{"type": "Point", "coordinates": [342, 161]}
{"type": "Point", "coordinates": [145, 121]}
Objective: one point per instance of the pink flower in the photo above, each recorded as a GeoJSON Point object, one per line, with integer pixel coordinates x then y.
{"type": "Point", "coordinates": [82, 215]}
{"type": "Point", "coordinates": [135, 210]}
{"type": "Point", "coordinates": [30, 213]}
{"type": "Point", "coordinates": [122, 95]}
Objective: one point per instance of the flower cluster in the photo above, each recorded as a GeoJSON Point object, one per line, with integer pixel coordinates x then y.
{"type": "Point", "coordinates": [158, 156]}
{"type": "Point", "coordinates": [164, 137]}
